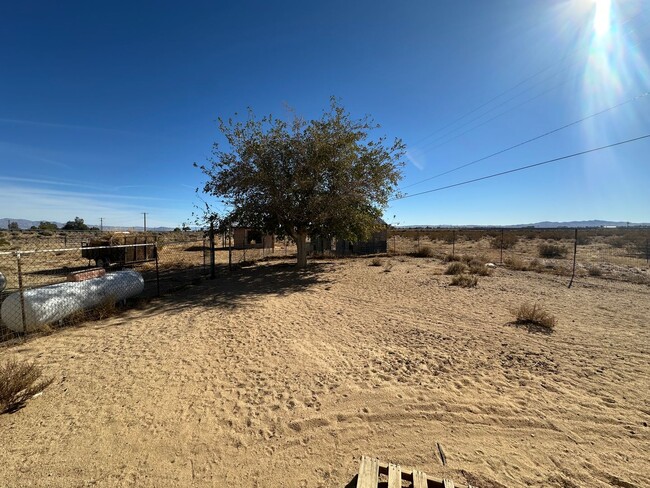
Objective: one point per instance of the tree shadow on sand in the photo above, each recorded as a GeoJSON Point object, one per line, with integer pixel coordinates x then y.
{"type": "Point", "coordinates": [231, 290]}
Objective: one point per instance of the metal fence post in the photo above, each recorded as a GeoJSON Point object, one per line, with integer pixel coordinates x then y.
{"type": "Point", "coordinates": [501, 246]}
{"type": "Point", "coordinates": [21, 290]}
{"type": "Point", "coordinates": [155, 250]}
{"type": "Point", "coordinates": [453, 242]}
{"type": "Point", "coordinates": [212, 260]}
{"type": "Point", "coordinates": [647, 251]}
{"type": "Point", "coordinates": [230, 250]}
{"type": "Point", "coordinates": [575, 251]}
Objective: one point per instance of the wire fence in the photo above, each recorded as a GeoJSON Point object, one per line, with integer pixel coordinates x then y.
{"type": "Point", "coordinates": [67, 278]}
{"type": "Point", "coordinates": [619, 253]}
{"type": "Point", "coordinates": [50, 280]}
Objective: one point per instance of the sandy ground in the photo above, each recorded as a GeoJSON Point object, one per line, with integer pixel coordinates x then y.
{"type": "Point", "coordinates": [280, 378]}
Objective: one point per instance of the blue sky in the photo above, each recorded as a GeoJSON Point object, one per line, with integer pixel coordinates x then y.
{"type": "Point", "coordinates": [105, 106]}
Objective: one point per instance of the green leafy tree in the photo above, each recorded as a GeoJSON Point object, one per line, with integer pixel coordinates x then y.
{"type": "Point", "coordinates": [76, 224]}
{"type": "Point", "coordinates": [13, 226]}
{"type": "Point", "coordinates": [45, 225]}
{"type": "Point", "coordinates": [319, 178]}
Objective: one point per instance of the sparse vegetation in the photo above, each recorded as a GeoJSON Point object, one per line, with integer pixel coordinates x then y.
{"type": "Point", "coordinates": [456, 268]}
{"type": "Point", "coordinates": [534, 314]}
{"type": "Point", "coordinates": [449, 258]}
{"type": "Point", "coordinates": [516, 263]}
{"type": "Point", "coordinates": [476, 267]}
{"type": "Point", "coordinates": [19, 381]}
{"type": "Point", "coordinates": [423, 252]}
{"type": "Point", "coordinates": [594, 271]}
{"type": "Point", "coordinates": [464, 281]}
{"type": "Point", "coordinates": [508, 241]}
{"type": "Point", "coordinates": [550, 251]}
{"type": "Point", "coordinates": [376, 262]}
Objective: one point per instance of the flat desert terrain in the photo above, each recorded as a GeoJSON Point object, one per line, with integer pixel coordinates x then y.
{"type": "Point", "coordinates": [275, 378]}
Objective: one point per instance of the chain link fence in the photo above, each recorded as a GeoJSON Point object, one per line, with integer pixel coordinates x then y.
{"type": "Point", "coordinates": [617, 253]}
{"type": "Point", "coordinates": [67, 278]}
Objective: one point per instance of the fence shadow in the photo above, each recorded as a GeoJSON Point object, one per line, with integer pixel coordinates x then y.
{"type": "Point", "coordinates": [231, 290]}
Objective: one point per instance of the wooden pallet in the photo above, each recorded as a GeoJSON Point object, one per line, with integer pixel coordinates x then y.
{"type": "Point", "coordinates": [371, 468]}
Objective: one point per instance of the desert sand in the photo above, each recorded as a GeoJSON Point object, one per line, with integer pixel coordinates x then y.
{"type": "Point", "coordinates": [275, 377]}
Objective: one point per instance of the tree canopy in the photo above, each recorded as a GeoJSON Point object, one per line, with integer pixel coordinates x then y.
{"type": "Point", "coordinates": [325, 177]}
{"type": "Point", "coordinates": [76, 224]}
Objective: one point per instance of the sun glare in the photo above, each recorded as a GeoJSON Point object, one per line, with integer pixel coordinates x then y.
{"type": "Point", "coordinates": [602, 17]}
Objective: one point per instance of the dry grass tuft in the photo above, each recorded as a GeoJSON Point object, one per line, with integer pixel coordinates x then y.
{"type": "Point", "coordinates": [479, 268]}
{"type": "Point", "coordinates": [464, 281]}
{"type": "Point", "coordinates": [450, 258]}
{"type": "Point", "coordinates": [456, 268]}
{"type": "Point", "coordinates": [552, 251]}
{"type": "Point", "coordinates": [594, 271]}
{"type": "Point", "coordinates": [528, 314]}
{"type": "Point", "coordinates": [376, 262]}
{"type": "Point", "coordinates": [423, 252]}
{"type": "Point", "coordinates": [19, 381]}
{"type": "Point", "coordinates": [516, 263]}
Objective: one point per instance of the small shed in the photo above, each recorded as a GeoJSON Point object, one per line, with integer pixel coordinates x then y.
{"type": "Point", "coordinates": [246, 238]}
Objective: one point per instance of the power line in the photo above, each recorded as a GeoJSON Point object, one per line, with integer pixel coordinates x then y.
{"type": "Point", "coordinates": [521, 168]}
{"type": "Point", "coordinates": [638, 97]}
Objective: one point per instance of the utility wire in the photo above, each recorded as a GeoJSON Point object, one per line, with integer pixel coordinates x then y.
{"type": "Point", "coordinates": [638, 97]}
{"type": "Point", "coordinates": [521, 168]}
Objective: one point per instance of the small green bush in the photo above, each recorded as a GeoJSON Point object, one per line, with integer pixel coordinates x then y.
{"type": "Point", "coordinates": [464, 281]}
{"type": "Point", "coordinates": [552, 251]}
{"type": "Point", "coordinates": [456, 268]}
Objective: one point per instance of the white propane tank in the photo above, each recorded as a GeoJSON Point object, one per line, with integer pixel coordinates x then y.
{"type": "Point", "coordinates": [49, 304]}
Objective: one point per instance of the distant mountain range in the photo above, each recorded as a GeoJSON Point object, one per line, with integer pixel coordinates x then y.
{"type": "Point", "coordinates": [545, 225]}
{"type": "Point", "coordinates": [27, 224]}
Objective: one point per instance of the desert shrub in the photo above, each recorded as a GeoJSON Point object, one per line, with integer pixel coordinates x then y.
{"type": "Point", "coordinates": [464, 281]}
{"type": "Point", "coordinates": [535, 265]}
{"type": "Point", "coordinates": [594, 271]}
{"type": "Point", "coordinates": [423, 252]}
{"type": "Point", "coordinates": [617, 241]}
{"type": "Point", "coordinates": [456, 268]}
{"type": "Point", "coordinates": [19, 381]}
{"type": "Point", "coordinates": [516, 263]}
{"type": "Point", "coordinates": [449, 258]}
{"type": "Point", "coordinates": [547, 250]}
{"type": "Point", "coordinates": [479, 268]}
{"type": "Point", "coordinates": [376, 262]}
{"type": "Point", "coordinates": [528, 314]}
{"type": "Point", "coordinates": [509, 241]}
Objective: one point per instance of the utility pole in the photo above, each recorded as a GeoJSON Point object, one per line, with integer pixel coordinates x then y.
{"type": "Point", "coordinates": [101, 224]}
{"type": "Point", "coordinates": [145, 221]}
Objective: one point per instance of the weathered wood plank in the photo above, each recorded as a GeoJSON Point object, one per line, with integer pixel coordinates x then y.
{"type": "Point", "coordinates": [448, 483]}
{"type": "Point", "coordinates": [394, 476]}
{"type": "Point", "coordinates": [368, 473]}
{"type": "Point", "coordinates": [419, 479]}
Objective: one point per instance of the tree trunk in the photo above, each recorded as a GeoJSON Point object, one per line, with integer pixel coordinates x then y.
{"type": "Point", "coordinates": [301, 243]}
